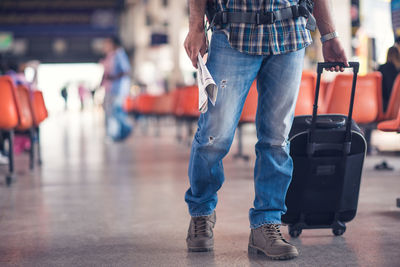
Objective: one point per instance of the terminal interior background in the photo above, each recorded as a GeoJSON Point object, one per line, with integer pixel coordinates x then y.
{"type": "Point", "coordinates": [96, 203]}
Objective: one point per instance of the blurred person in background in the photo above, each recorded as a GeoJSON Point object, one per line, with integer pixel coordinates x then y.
{"type": "Point", "coordinates": [238, 53]}
{"type": "Point", "coordinates": [116, 82]}
{"type": "Point", "coordinates": [389, 71]}
{"type": "Point", "coordinates": [64, 95]}
{"type": "Point", "coordinates": [82, 90]}
{"type": "Point", "coordinates": [16, 71]}
{"type": "Point", "coordinates": [93, 94]}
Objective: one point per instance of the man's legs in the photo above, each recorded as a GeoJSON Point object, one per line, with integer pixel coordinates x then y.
{"type": "Point", "coordinates": [277, 82]}
{"type": "Point", "coordinates": [234, 73]}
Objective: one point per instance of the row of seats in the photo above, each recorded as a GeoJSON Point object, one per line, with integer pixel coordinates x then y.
{"type": "Point", "coordinates": [22, 111]}
{"type": "Point", "coordinates": [182, 102]}
{"type": "Point", "coordinates": [334, 97]}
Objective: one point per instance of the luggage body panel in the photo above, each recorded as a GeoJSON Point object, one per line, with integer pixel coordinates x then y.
{"type": "Point", "coordinates": [326, 184]}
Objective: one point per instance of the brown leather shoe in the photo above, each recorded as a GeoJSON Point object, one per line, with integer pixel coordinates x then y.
{"type": "Point", "coordinates": [269, 240]}
{"type": "Point", "coordinates": [200, 236]}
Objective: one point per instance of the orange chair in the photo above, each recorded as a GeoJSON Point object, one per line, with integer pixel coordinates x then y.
{"type": "Point", "coordinates": [367, 101]}
{"type": "Point", "coordinates": [186, 110]}
{"type": "Point", "coordinates": [391, 125]}
{"type": "Point", "coordinates": [164, 105]}
{"type": "Point", "coordinates": [39, 112]}
{"type": "Point", "coordinates": [146, 104]}
{"type": "Point", "coordinates": [248, 116]}
{"type": "Point", "coordinates": [175, 100]}
{"type": "Point", "coordinates": [141, 106]}
{"type": "Point", "coordinates": [322, 93]}
{"type": "Point", "coordinates": [189, 101]}
{"type": "Point", "coordinates": [130, 104]}
{"type": "Point", "coordinates": [169, 103]}
{"type": "Point", "coordinates": [368, 97]}
{"type": "Point", "coordinates": [23, 102]}
{"type": "Point", "coordinates": [178, 112]}
{"type": "Point", "coordinates": [305, 100]}
{"type": "Point", "coordinates": [26, 125]}
{"type": "Point", "coordinates": [39, 109]}
{"type": "Point", "coordinates": [179, 96]}
{"type": "Point", "coordinates": [186, 102]}
{"type": "Point", "coordinates": [158, 101]}
{"type": "Point", "coordinates": [9, 120]}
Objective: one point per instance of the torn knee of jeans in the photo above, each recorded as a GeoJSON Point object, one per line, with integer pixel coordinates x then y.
{"type": "Point", "coordinates": [223, 84]}
{"type": "Point", "coordinates": [211, 140]}
{"type": "Point", "coordinates": [279, 144]}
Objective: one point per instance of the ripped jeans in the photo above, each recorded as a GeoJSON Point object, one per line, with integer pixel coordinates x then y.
{"type": "Point", "coordinates": [278, 80]}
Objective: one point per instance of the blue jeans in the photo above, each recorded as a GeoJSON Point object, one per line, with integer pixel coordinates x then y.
{"type": "Point", "coordinates": [278, 81]}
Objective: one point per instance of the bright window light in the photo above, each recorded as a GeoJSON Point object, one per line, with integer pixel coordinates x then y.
{"type": "Point", "coordinates": [53, 77]}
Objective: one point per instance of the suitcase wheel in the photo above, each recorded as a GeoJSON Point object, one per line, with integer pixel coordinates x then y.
{"type": "Point", "coordinates": [294, 232]}
{"type": "Point", "coordinates": [338, 231]}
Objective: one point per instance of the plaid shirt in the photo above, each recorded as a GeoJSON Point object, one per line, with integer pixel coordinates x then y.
{"type": "Point", "coordinates": [278, 38]}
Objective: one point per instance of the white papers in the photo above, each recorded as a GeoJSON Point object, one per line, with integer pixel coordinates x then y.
{"type": "Point", "coordinates": [207, 87]}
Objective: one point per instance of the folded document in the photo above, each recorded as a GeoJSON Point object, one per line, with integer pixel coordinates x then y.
{"type": "Point", "coordinates": [207, 87]}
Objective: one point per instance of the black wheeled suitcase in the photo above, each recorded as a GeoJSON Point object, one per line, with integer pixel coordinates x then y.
{"type": "Point", "coordinates": [328, 152]}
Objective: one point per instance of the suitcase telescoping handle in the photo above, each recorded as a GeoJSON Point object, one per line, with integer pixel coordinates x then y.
{"type": "Point", "coordinates": [312, 146]}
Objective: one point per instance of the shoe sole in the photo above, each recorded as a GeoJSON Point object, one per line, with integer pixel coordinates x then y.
{"type": "Point", "coordinates": [200, 249]}
{"type": "Point", "coordinates": [255, 250]}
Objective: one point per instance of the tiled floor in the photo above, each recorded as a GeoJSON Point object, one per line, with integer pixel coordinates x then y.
{"type": "Point", "coordinates": [98, 204]}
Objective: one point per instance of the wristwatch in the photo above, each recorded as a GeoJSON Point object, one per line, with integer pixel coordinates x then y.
{"type": "Point", "coordinates": [329, 36]}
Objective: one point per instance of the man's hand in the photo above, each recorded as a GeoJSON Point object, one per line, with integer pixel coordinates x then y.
{"type": "Point", "coordinates": [195, 42]}
{"type": "Point", "coordinates": [333, 51]}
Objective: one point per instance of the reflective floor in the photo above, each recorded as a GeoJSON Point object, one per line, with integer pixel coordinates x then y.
{"type": "Point", "coordinates": [94, 203]}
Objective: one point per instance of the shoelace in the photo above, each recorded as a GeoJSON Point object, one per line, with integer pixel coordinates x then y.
{"type": "Point", "coordinates": [273, 231]}
{"type": "Point", "coordinates": [200, 226]}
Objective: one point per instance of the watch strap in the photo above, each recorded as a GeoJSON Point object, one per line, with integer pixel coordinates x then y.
{"type": "Point", "coordinates": [329, 36]}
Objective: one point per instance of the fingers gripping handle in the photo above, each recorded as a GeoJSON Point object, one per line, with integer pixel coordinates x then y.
{"type": "Point", "coordinates": [328, 65]}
